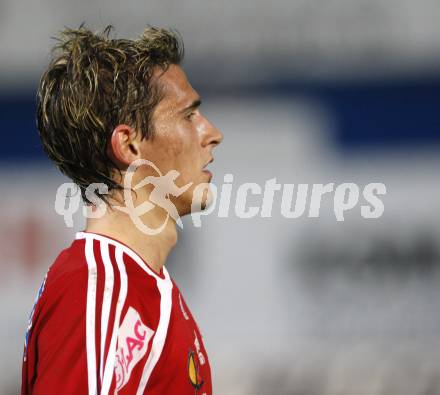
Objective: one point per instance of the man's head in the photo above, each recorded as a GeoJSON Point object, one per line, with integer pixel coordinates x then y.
{"type": "Point", "coordinates": [103, 103]}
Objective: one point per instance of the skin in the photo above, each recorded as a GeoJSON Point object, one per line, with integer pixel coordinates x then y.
{"type": "Point", "coordinates": [183, 140]}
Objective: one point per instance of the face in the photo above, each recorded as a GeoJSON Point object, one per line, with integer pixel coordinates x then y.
{"type": "Point", "coordinates": [183, 138]}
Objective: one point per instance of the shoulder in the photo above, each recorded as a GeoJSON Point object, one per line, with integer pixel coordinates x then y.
{"type": "Point", "coordinates": [101, 272]}
{"type": "Point", "coordinates": [68, 271]}
{"type": "Point", "coordinates": [110, 303]}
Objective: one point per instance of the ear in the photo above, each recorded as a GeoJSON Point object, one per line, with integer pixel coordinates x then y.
{"type": "Point", "coordinates": [123, 146]}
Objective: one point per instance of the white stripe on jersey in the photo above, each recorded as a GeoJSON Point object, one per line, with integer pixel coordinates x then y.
{"type": "Point", "coordinates": [111, 355]}
{"type": "Point", "coordinates": [90, 316]}
{"type": "Point", "coordinates": [133, 255]}
{"type": "Point", "coordinates": [165, 287]}
{"type": "Point", "coordinates": [107, 300]}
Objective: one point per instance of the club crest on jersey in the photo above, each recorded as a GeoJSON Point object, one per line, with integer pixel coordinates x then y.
{"type": "Point", "coordinates": [133, 339]}
{"type": "Point", "coordinates": [195, 378]}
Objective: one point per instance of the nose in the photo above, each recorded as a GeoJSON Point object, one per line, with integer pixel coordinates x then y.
{"type": "Point", "coordinates": [214, 136]}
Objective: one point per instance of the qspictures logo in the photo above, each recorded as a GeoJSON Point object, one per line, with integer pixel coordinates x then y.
{"type": "Point", "coordinates": [297, 200]}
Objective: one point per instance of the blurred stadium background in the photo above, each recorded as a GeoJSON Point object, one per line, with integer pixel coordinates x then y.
{"type": "Point", "coordinates": [304, 91]}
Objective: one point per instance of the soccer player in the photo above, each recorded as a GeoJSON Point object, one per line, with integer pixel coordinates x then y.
{"type": "Point", "coordinates": [108, 318]}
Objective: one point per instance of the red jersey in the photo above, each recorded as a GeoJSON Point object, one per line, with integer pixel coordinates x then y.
{"type": "Point", "coordinates": [104, 323]}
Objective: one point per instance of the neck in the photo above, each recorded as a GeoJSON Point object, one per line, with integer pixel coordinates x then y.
{"type": "Point", "coordinates": [153, 249]}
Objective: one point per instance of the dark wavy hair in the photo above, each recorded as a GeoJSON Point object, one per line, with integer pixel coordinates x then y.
{"type": "Point", "coordinates": [92, 84]}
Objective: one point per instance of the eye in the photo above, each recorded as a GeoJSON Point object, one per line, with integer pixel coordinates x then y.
{"type": "Point", "coordinates": [190, 116]}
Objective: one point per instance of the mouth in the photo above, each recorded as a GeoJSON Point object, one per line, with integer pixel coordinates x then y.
{"type": "Point", "coordinates": [205, 170]}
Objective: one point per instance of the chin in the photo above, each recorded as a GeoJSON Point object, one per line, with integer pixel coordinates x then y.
{"type": "Point", "coordinates": [199, 199]}
{"type": "Point", "coordinates": [208, 199]}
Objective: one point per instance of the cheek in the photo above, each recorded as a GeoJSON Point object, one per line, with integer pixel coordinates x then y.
{"type": "Point", "coordinates": [168, 147]}
{"type": "Point", "coordinates": [177, 147]}
{"type": "Point", "coordinates": [173, 148]}
{"type": "Point", "coordinates": [182, 146]}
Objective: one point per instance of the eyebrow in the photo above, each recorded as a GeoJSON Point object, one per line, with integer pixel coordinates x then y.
{"type": "Point", "coordinates": [195, 104]}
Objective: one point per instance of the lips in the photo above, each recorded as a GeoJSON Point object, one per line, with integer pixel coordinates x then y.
{"type": "Point", "coordinates": [210, 161]}
{"type": "Point", "coordinates": [205, 170]}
